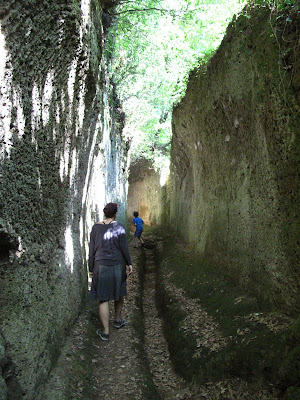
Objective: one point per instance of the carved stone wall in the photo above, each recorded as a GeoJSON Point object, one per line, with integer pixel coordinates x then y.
{"type": "Point", "coordinates": [144, 193]}
{"type": "Point", "coordinates": [61, 160]}
{"type": "Point", "coordinates": [235, 157]}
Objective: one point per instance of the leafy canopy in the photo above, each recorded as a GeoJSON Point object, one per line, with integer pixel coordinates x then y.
{"type": "Point", "coordinates": [153, 44]}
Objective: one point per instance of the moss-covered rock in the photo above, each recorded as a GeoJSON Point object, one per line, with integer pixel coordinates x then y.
{"type": "Point", "coordinates": [59, 141]}
{"type": "Point", "coordinates": [234, 188]}
{"type": "Point", "coordinates": [293, 393]}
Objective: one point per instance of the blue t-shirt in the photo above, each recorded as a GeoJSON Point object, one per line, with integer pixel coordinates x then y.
{"type": "Point", "coordinates": [138, 222]}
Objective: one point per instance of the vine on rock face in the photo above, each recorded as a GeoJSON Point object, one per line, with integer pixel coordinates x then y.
{"type": "Point", "coordinates": [152, 45]}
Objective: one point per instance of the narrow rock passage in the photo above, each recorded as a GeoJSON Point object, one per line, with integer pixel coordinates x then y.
{"type": "Point", "coordinates": [135, 364]}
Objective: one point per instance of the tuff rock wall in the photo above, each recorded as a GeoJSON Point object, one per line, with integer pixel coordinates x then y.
{"type": "Point", "coordinates": [235, 156]}
{"type": "Point", "coordinates": [62, 159]}
{"type": "Point", "coordinates": [144, 193]}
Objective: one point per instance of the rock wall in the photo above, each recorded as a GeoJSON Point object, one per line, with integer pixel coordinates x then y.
{"type": "Point", "coordinates": [62, 159]}
{"type": "Point", "coordinates": [144, 193]}
{"type": "Point", "coordinates": [235, 156]}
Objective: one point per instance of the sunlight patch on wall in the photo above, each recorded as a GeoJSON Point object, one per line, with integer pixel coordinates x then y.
{"type": "Point", "coordinates": [73, 165]}
{"type": "Point", "coordinates": [60, 24]}
{"type": "Point", "coordinates": [20, 249]}
{"type": "Point", "coordinates": [93, 196]}
{"type": "Point", "coordinates": [81, 106]}
{"type": "Point", "coordinates": [36, 108]}
{"type": "Point", "coordinates": [47, 94]}
{"type": "Point", "coordinates": [69, 248]}
{"type": "Point", "coordinates": [164, 173]}
{"type": "Point", "coordinates": [41, 103]}
{"type": "Point", "coordinates": [57, 114]}
{"type": "Point", "coordinates": [85, 8]}
{"type": "Point", "coordinates": [20, 120]}
{"type": "Point", "coordinates": [71, 80]}
{"type": "Point", "coordinates": [64, 162]}
{"type": "Point", "coordinates": [4, 90]}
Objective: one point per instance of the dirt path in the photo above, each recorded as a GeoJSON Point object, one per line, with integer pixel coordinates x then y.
{"type": "Point", "coordinates": [91, 369]}
{"type": "Point", "coordinates": [135, 364]}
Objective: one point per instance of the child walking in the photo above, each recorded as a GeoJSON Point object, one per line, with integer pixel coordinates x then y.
{"type": "Point", "coordinates": [138, 223]}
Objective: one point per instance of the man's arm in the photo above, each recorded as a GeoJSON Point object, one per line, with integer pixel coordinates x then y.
{"type": "Point", "coordinates": [91, 252]}
{"type": "Point", "coordinates": [128, 270]}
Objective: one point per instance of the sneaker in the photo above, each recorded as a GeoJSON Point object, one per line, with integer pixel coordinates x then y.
{"type": "Point", "coordinates": [119, 324]}
{"type": "Point", "coordinates": [103, 336]}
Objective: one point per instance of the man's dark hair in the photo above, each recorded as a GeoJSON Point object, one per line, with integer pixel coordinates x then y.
{"type": "Point", "coordinates": [110, 210]}
{"type": "Point", "coordinates": [136, 214]}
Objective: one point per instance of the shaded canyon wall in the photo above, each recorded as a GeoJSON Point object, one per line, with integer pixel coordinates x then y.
{"type": "Point", "coordinates": [144, 193]}
{"type": "Point", "coordinates": [62, 159]}
{"type": "Point", "coordinates": [235, 157]}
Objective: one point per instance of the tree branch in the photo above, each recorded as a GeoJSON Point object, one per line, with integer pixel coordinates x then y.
{"type": "Point", "coordinates": [144, 9]}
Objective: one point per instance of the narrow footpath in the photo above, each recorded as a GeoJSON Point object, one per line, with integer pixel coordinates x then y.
{"type": "Point", "coordinates": [135, 364]}
{"type": "Point", "coordinates": [169, 384]}
{"type": "Point", "coordinates": [91, 369]}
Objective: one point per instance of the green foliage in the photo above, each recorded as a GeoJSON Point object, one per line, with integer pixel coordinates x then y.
{"type": "Point", "coordinates": [153, 44]}
{"type": "Point", "coordinates": [275, 4]}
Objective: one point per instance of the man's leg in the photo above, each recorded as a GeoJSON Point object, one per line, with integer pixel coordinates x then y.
{"type": "Point", "coordinates": [104, 316]}
{"type": "Point", "coordinates": [118, 308]}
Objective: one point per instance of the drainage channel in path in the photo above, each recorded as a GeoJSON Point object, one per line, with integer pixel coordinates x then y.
{"type": "Point", "coordinates": [169, 385]}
